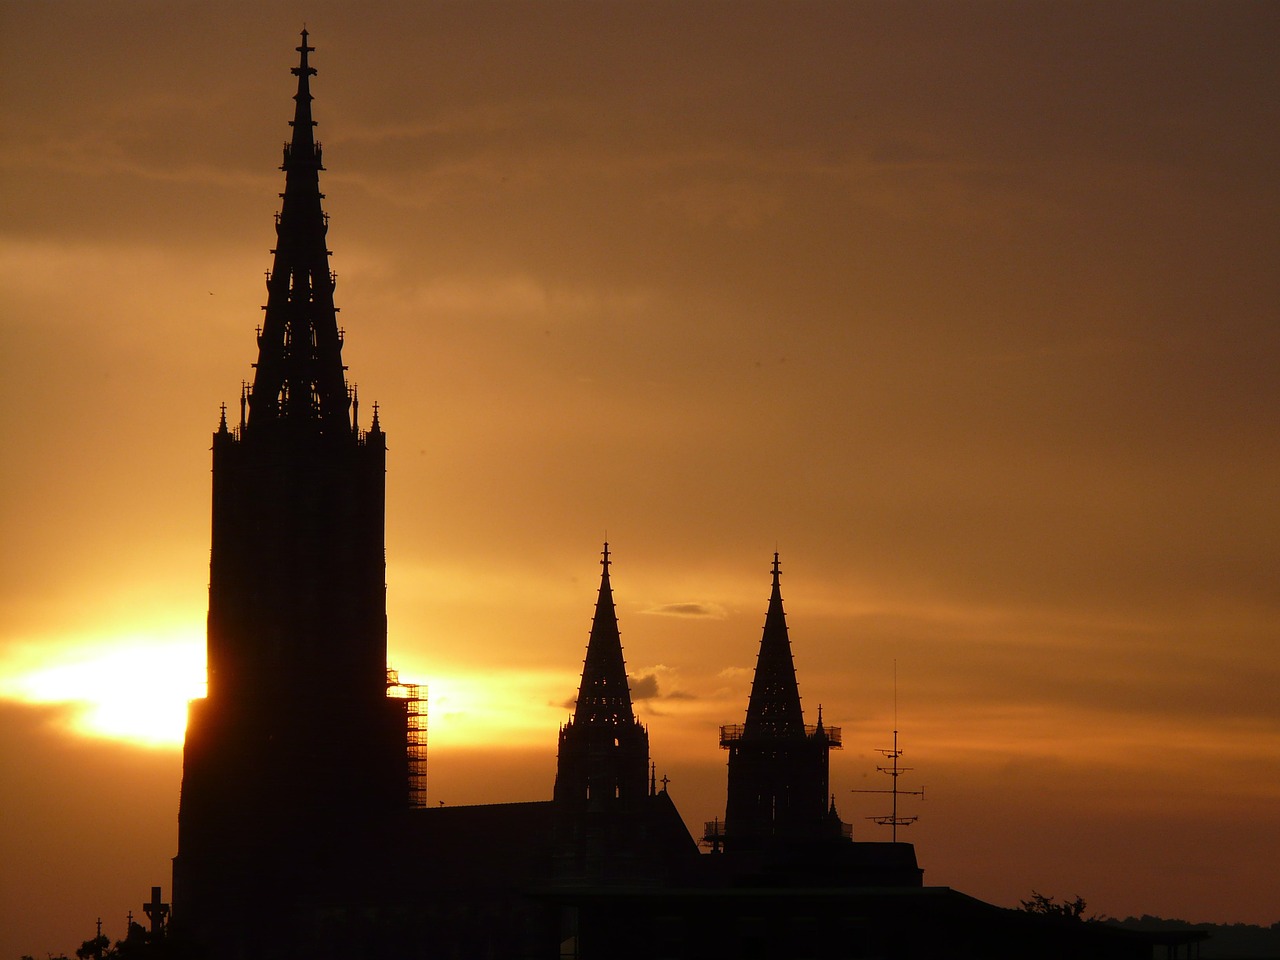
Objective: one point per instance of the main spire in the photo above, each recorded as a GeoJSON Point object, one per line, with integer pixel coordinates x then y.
{"type": "Point", "coordinates": [774, 708]}
{"type": "Point", "coordinates": [604, 696]}
{"type": "Point", "coordinates": [300, 375]}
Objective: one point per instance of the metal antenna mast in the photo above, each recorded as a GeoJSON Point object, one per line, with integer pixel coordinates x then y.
{"type": "Point", "coordinates": [893, 770]}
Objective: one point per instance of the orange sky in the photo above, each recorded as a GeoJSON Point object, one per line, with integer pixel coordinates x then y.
{"type": "Point", "coordinates": [969, 310]}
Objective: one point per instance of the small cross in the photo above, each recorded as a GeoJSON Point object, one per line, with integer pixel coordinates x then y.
{"type": "Point", "coordinates": [156, 911]}
{"type": "Point", "coordinates": [665, 781]}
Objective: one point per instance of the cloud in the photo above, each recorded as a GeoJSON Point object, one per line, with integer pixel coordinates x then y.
{"type": "Point", "coordinates": [644, 688]}
{"type": "Point", "coordinates": [689, 608]}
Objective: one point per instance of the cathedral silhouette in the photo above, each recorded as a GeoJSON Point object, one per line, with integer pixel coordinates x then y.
{"type": "Point", "coordinates": [303, 829]}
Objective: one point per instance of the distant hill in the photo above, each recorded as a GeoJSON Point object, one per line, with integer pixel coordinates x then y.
{"type": "Point", "coordinates": [1227, 941]}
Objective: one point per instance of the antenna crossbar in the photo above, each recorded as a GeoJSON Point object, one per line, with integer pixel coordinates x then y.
{"type": "Point", "coordinates": [895, 771]}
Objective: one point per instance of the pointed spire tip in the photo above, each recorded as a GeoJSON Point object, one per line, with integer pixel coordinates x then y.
{"type": "Point", "coordinates": [306, 48]}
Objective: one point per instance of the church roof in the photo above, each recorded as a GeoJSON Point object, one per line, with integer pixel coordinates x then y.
{"type": "Point", "coordinates": [774, 708]}
{"type": "Point", "coordinates": [604, 696]}
{"type": "Point", "coordinates": [477, 847]}
{"type": "Point", "coordinates": [299, 377]}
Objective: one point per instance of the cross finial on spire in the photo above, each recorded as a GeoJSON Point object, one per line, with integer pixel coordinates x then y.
{"type": "Point", "coordinates": [302, 66]}
{"type": "Point", "coordinates": [604, 562]}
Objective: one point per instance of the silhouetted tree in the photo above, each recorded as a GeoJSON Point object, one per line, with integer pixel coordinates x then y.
{"type": "Point", "coordinates": [1050, 907]}
{"type": "Point", "coordinates": [97, 948]}
{"type": "Point", "coordinates": [136, 944]}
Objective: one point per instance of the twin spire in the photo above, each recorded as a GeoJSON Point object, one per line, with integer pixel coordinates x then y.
{"type": "Point", "coordinates": [300, 378]}
{"type": "Point", "coordinates": [603, 758]}
{"type": "Point", "coordinates": [604, 696]}
{"type": "Point", "coordinates": [774, 708]}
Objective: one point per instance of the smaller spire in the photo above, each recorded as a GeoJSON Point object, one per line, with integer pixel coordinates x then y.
{"type": "Point", "coordinates": [222, 422]}
{"type": "Point", "coordinates": [773, 709]}
{"type": "Point", "coordinates": [653, 779]}
{"type": "Point", "coordinates": [604, 695]}
{"type": "Point", "coordinates": [374, 427]}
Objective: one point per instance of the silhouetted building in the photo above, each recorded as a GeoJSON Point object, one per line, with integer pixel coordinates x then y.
{"type": "Point", "coordinates": [781, 826]}
{"type": "Point", "coordinates": [612, 824]}
{"type": "Point", "coordinates": [301, 828]}
{"type": "Point", "coordinates": [779, 768]}
{"type": "Point", "coordinates": [297, 753]}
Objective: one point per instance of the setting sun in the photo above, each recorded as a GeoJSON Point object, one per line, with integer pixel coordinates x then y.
{"type": "Point", "coordinates": [128, 688]}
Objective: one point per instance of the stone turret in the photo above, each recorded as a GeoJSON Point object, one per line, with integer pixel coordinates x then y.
{"type": "Point", "coordinates": [778, 767]}
{"type": "Point", "coordinates": [603, 782]}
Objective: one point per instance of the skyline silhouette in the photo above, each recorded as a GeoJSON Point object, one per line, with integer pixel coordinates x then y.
{"type": "Point", "coordinates": [1038, 627]}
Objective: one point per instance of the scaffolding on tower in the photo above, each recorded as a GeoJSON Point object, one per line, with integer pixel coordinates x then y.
{"type": "Point", "coordinates": [414, 696]}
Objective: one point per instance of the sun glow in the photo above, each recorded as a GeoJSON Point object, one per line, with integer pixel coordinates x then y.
{"type": "Point", "coordinates": [509, 707]}
{"type": "Point", "coordinates": [132, 688]}
{"type": "Point", "coordinates": [136, 687]}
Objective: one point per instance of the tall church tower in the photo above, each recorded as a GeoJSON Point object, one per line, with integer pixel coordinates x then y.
{"type": "Point", "coordinates": [603, 781]}
{"type": "Point", "coordinates": [778, 766]}
{"type": "Point", "coordinates": [297, 745]}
